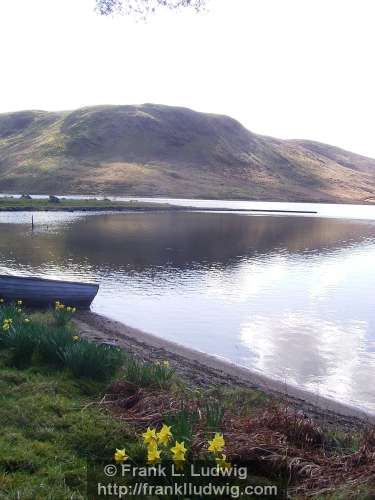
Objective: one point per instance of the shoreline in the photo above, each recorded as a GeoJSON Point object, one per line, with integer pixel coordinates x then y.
{"type": "Point", "coordinates": [369, 201]}
{"type": "Point", "coordinates": [172, 208]}
{"type": "Point", "coordinates": [204, 370]}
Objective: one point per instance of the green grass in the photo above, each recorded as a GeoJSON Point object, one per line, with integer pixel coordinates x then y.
{"type": "Point", "coordinates": [48, 431]}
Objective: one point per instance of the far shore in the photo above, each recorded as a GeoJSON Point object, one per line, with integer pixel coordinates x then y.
{"type": "Point", "coordinates": [203, 370]}
{"type": "Point", "coordinates": [104, 205]}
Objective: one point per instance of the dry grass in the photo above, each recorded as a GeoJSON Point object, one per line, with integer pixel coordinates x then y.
{"type": "Point", "coordinates": [276, 441]}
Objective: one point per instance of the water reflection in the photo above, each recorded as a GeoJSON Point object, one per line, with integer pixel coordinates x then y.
{"type": "Point", "coordinates": [287, 296]}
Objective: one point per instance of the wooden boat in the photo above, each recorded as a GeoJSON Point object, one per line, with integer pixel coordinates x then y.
{"type": "Point", "coordinates": [41, 292]}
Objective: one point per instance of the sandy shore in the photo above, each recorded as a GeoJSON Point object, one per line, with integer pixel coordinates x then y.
{"type": "Point", "coordinates": [202, 370]}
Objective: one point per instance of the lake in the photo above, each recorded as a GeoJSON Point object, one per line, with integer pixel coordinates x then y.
{"type": "Point", "coordinates": [291, 297]}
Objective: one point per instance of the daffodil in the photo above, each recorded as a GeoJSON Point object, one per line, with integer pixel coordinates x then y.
{"type": "Point", "coordinates": [7, 323]}
{"type": "Point", "coordinates": [166, 364]}
{"type": "Point", "coordinates": [76, 338]}
{"type": "Point", "coordinates": [120, 455]}
{"type": "Point", "coordinates": [149, 436]}
{"type": "Point", "coordinates": [153, 454]}
{"type": "Point", "coordinates": [68, 309]}
{"type": "Point", "coordinates": [216, 445]}
{"type": "Point", "coordinates": [222, 462]}
{"type": "Point", "coordinates": [19, 310]}
{"type": "Point", "coordinates": [164, 435]}
{"type": "Point", "coordinates": [27, 320]}
{"type": "Point", "coordinates": [73, 310]}
{"type": "Point", "coordinates": [19, 302]}
{"type": "Point", "coordinates": [178, 452]}
{"type": "Point", "coordinates": [1, 301]}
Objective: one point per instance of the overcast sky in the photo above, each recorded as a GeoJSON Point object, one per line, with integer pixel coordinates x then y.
{"type": "Point", "coordinates": [286, 68]}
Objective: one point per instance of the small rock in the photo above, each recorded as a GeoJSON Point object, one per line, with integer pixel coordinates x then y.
{"type": "Point", "coordinates": [25, 197]}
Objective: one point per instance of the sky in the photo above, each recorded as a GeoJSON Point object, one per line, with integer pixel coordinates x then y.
{"type": "Point", "coordinates": [286, 68]}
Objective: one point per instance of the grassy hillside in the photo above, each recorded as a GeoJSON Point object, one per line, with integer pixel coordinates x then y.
{"type": "Point", "coordinates": [155, 150]}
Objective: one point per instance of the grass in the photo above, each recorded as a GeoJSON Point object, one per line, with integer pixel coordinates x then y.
{"type": "Point", "coordinates": [47, 433]}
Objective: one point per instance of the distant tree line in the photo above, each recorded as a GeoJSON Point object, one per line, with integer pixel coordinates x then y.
{"type": "Point", "coordinates": [143, 8]}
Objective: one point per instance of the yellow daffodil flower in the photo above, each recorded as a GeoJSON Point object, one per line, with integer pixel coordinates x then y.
{"type": "Point", "coordinates": [178, 451]}
{"type": "Point", "coordinates": [222, 462]}
{"type": "Point", "coordinates": [166, 364]}
{"type": "Point", "coordinates": [120, 455]}
{"type": "Point", "coordinates": [1, 301]}
{"type": "Point", "coordinates": [216, 445]}
{"type": "Point", "coordinates": [149, 436]}
{"type": "Point", "coordinates": [153, 454]}
{"type": "Point", "coordinates": [19, 302]}
{"type": "Point", "coordinates": [27, 320]}
{"type": "Point", "coordinates": [76, 338]}
{"type": "Point", "coordinates": [164, 435]}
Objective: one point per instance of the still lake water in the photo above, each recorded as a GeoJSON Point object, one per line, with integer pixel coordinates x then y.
{"type": "Point", "coordinates": [291, 297]}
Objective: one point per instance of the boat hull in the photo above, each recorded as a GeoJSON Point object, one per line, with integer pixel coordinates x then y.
{"type": "Point", "coordinates": [40, 292]}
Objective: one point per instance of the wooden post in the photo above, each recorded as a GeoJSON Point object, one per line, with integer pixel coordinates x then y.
{"type": "Point", "coordinates": [32, 223]}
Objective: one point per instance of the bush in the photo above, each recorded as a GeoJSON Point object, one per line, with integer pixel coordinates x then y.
{"type": "Point", "coordinates": [87, 359]}
{"type": "Point", "coordinates": [144, 374]}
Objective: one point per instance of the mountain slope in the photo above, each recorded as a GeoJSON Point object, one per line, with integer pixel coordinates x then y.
{"type": "Point", "coordinates": [161, 150]}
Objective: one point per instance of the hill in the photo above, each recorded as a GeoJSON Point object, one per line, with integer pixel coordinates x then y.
{"type": "Point", "coordinates": [153, 150]}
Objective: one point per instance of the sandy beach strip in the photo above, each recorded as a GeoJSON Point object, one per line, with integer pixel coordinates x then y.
{"type": "Point", "coordinates": [203, 370]}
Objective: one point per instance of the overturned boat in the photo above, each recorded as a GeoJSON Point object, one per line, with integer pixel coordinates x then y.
{"type": "Point", "coordinates": [42, 292]}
